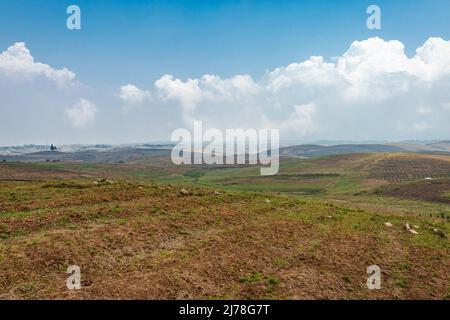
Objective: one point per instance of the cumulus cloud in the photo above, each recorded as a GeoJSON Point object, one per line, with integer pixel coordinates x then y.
{"type": "Point", "coordinates": [301, 120]}
{"type": "Point", "coordinates": [131, 94]}
{"type": "Point", "coordinates": [33, 100]}
{"type": "Point", "coordinates": [209, 88]}
{"type": "Point", "coordinates": [17, 63]}
{"type": "Point", "coordinates": [372, 91]}
{"type": "Point", "coordinates": [81, 113]}
{"type": "Point", "coordinates": [364, 93]}
{"type": "Point", "coordinates": [369, 69]}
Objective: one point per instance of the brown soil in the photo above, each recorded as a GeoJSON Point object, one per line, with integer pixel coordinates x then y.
{"type": "Point", "coordinates": [435, 191]}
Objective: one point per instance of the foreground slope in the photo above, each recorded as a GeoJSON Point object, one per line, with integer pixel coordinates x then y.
{"type": "Point", "coordinates": [144, 240]}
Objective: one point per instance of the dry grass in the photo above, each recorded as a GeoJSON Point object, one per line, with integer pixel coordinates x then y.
{"type": "Point", "coordinates": [148, 240]}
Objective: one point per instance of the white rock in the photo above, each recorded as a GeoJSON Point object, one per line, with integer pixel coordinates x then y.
{"type": "Point", "coordinates": [388, 224]}
{"type": "Point", "coordinates": [439, 232]}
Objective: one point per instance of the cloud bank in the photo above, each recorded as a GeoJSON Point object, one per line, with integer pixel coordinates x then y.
{"type": "Point", "coordinates": [34, 100]}
{"type": "Point", "coordinates": [372, 91]}
{"type": "Point", "coordinates": [81, 114]}
{"type": "Point", "coordinates": [17, 64]}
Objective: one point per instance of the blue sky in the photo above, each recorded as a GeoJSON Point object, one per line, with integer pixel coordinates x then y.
{"type": "Point", "coordinates": [138, 42]}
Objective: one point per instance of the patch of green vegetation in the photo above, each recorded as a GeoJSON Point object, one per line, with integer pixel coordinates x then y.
{"type": "Point", "coordinates": [347, 279]}
{"type": "Point", "coordinates": [194, 174]}
{"type": "Point", "coordinates": [251, 278]}
{"type": "Point", "coordinates": [272, 281]}
{"type": "Point", "coordinates": [269, 280]}
{"type": "Point", "coordinates": [27, 288]}
{"type": "Point", "coordinates": [402, 281]}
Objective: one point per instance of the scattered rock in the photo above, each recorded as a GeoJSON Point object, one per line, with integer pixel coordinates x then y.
{"type": "Point", "coordinates": [329, 217]}
{"type": "Point", "coordinates": [409, 229]}
{"type": "Point", "coordinates": [267, 200]}
{"type": "Point", "coordinates": [184, 191]}
{"type": "Point", "coordinates": [416, 227]}
{"type": "Point", "coordinates": [388, 224]}
{"type": "Point", "coordinates": [102, 181]}
{"type": "Point", "coordinates": [216, 193]}
{"type": "Point", "coordinates": [439, 232]}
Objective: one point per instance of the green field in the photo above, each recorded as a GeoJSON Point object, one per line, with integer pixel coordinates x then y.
{"type": "Point", "coordinates": [148, 229]}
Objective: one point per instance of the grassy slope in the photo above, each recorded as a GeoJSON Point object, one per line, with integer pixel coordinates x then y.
{"type": "Point", "coordinates": [138, 239]}
{"type": "Point", "coordinates": [148, 241]}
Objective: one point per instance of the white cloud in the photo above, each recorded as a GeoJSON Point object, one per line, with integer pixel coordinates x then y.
{"type": "Point", "coordinates": [369, 69]}
{"type": "Point", "coordinates": [17, 63]}
{"type": "Point", "coordinates": [366, 93]}
{"type": "Point", "coordinates": [81, 114]}
{"type": "Point", "coordinates": [33, 96]}
{"type": "Point", "coordinates": [208, 88]}
{"type": "Point", "coordinates": [187, 93]}
{"type": "Point", "coordinates": [433, 59]}
{"type": "Point", "coordinates": [301, 121]}
{"type": "Point", "coordinates": [131, 94]}
{"type": "Point", "coordinates": [310, 73]}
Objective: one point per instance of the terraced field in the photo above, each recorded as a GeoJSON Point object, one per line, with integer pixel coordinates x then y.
{"type": "Point", "coordinates": [408, 167]}
{"type": "Point", "coordinates": [436, 191]}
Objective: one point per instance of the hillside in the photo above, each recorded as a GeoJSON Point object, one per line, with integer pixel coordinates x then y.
{"type": "Point", "coordinates": [134, 238]}
{"type": "Point", "coordinates": [319, 151]}
{"type": "Point", "coordinates": [164, 244]}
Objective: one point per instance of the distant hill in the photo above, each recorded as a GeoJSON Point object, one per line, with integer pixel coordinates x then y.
{"type": "Point", "coordinates": [440, 146]}
{"type": "Point", "coordinates": [127, 154]}
{"type": "Point", "coordinates": [119, 155]}
{"type": "Point", "coordinates": [46, 153]}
